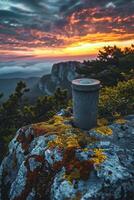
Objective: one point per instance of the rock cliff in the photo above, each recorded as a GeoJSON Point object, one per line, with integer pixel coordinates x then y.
{"type": "Point", "coordinates": [61, 76]}
{"type": "Point", "coordinates": [54, 160]}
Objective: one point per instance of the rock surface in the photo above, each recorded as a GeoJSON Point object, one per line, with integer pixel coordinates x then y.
{"type": "Point", "coordinates": [56, 161]}
{"type": "Point", "coordinates": [61, 76]}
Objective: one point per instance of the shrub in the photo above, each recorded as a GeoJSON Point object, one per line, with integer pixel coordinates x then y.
{"type": "Point", "coordinates": [117, 99]}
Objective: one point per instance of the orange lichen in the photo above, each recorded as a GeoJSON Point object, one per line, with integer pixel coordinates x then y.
{"type": "Point", "coordinates": [76, 169]}
{"type": "Point", "coordinates": [104, 130]}
{"type": "Point", "coordinates": [31, 177]}
{"type": "Point", "coordinates": [24, 139]}
{"type": "Point", "coordinates": [54, 126]}
{"type": "Point", "coordinates": [78, 196]}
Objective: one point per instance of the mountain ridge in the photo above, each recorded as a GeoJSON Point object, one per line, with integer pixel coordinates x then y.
{"type": "Point", "coordinates": [61, 76]}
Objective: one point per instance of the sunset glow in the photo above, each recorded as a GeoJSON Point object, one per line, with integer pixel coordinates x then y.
{"type": "Point", "coordinates": [63, 29]}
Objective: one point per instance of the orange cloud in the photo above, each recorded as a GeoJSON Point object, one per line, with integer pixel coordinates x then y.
{"type": "Point", "coordinates": [75, 46]}
{"type": "Point", "coordinates": [84, 33]}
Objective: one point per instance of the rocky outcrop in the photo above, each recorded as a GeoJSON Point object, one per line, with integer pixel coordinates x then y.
{"type": "Point", "coordinates": [61, 76]}
{"type": "Point", "coordinates": [54, 160]}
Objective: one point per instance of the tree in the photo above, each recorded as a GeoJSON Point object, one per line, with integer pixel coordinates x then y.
{"type": "Point", "coordinates": [129, 50]}
{"type": "Point", "coordinates": [61, 98]}
{"type": "Point", "coordinates": [47, 106]}
{"type": "Point", "coordinates": [111, 66]}
{"type": "Point", "coordinates": [42, 108]}
{"type": "Point", "coordinates": [10, 112]}
{"type": "Point", "coordinates": [110, 54]}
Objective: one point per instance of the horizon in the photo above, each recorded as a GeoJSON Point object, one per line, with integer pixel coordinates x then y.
{"type": "Point", "coordinates": [28, 66]}
{"type": "Point", "coordinates": [63, 30]}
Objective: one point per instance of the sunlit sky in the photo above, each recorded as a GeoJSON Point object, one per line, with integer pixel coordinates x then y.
{"type": "Point", "coordinates": [64, 28]}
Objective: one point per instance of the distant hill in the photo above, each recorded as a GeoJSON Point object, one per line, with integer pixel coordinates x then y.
{"type": "Point", "coordinates": [17, 75]}
{"type": "Point", "coordinates": [61, 76]}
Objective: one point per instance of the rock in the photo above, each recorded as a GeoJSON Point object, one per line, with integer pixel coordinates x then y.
{"type": "Point", "coordinates": [49, 161]}
{"type": "Point", "coordinates": [61, 76]}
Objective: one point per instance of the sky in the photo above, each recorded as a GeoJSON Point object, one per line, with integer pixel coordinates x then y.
{"type": "Point", "coordinates": [64, 28]}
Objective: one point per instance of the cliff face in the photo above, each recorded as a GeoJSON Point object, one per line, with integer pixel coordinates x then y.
{"type": "Point", "coordinates": [61, 76]}
{"type": "Point", "coordinates": [56, 161]}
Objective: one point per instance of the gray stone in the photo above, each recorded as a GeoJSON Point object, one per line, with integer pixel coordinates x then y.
{"type": "Point", "coordinates": [113, 179]}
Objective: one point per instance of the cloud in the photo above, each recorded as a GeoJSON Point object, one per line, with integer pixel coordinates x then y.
{"type": "Point", "coordinates": [26, 69]}
{"type": "Point", "coordinates": [29, 24]}
{"type": "Point", "coordinates": [110, 5]}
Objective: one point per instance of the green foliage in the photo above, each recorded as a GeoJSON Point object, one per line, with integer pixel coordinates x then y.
{"type": "Point", "coordinates": [46, 106]}
{"type": "Point", "coordinates": [10, 112]}
{"type": "Point", "coordinates": [15, 112]}
{"type": "Point", "coordinates": [117, 99]}
{"type": "Point", "coordinates": [111, 66]}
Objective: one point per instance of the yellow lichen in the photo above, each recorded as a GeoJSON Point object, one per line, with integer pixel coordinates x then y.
{"type": "Point", "coordinates": [120, 121]}
{"type": "Point", "coordinates": [68, 139]}
{"type": "Point", "coordinates": [104, 130]}
{"type": "Point", "coordinates": [72, 141]}
{"type": "Point", "coordinates": [65, 141]}
{"type": "Point", "coordinates": [102, 122]}
{"type": "Point", "coordinates": [54, 126]}
{"type": "Point", "coordinates": [85, 149]}
{"type": "Point", "coordinates": [116, 115]}
{"type": "Point", "coordinates": [71, 137]}
{"type": "Point", "coordinates": [98, 156]}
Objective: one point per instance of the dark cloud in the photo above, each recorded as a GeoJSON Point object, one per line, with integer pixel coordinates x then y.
{"type": "Point", "coordinates": [42, 23]}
